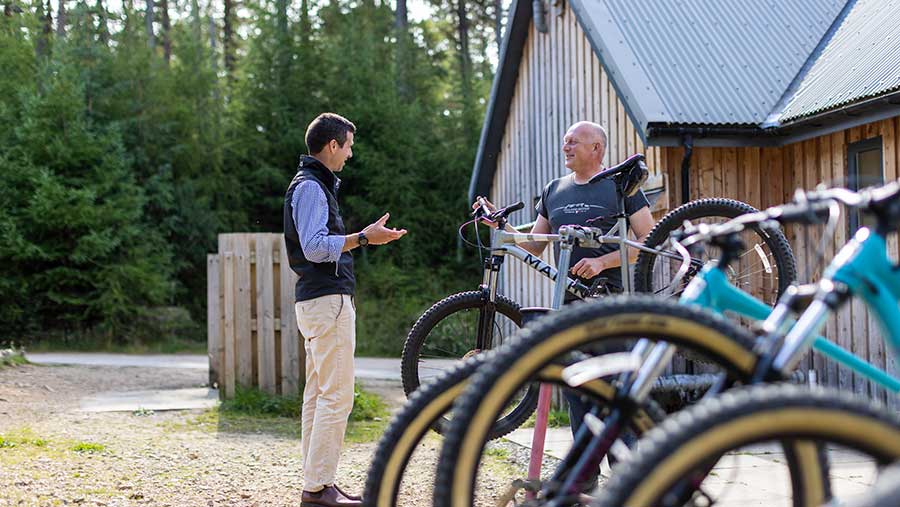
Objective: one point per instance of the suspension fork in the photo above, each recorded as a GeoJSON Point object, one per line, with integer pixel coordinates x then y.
{"type": "Point", "coordinates": [488, 310]}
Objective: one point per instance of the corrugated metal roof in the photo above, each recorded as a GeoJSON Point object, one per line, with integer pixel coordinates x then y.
{"type": "Point", "coordinates": [715, 62]}
{"type": "Point", "coordinates": [861, 60]}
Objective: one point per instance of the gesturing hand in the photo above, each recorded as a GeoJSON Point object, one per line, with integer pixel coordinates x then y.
{"type": "Point", "coordinates": [378, 234]}
{"type": "Point", "coordinates": [588, 267]}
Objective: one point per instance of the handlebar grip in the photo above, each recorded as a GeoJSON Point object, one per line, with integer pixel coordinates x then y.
{"type": "Point", "coordinates": [807, 214]}
{"type": "Point", "coordinates": [515, 207]}
{"type": "Point", "coordinates": [505, 212]}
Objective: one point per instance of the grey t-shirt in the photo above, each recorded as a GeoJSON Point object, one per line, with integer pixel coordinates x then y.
{"type": "Point", "coordinates": [593, 204]}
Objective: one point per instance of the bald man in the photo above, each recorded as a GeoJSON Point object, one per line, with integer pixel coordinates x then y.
{"type": "Point", "coordinates": [576, 200]}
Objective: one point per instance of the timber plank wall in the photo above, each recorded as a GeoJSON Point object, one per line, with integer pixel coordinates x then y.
{"type": "Point", "coordinates": [562, 81]}
{"type": "Point", "coordinates": [764, 177]}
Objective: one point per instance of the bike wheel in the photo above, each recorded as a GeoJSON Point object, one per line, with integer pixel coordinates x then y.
{"type": "Point", "coordinates": [407, 430]}
{"type": "Point", "coordinates": [446, 333]}
{"type": "Point", "coordinates": [765, 269]}
{"type": "Point", "coordinates": [687, 445]}
{"type": "Point", "coordinates": [596, 327]}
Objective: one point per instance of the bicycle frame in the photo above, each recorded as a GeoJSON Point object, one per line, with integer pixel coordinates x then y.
{"type": "Point", "coordinates": [861, 268]}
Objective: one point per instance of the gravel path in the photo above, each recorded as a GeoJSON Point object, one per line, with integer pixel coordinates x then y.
{"type": "Point", "coordinates": [176, 458]}
{"type": "Point", "coordinates": [53, 454]}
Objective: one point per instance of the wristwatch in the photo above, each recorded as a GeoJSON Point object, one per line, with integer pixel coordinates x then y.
{"type": "Point", "coordinates": [363, 240]}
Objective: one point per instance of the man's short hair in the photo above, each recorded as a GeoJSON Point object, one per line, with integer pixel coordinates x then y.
{"type": "Point", "coordinates": [604, 139]}
{"type": "Point", "coordinates": [324, 128]}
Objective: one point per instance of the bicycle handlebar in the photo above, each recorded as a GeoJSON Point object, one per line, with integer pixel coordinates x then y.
{"type": "Point", "coordinates": [812, 207]}
{"type": "Point", "coordinates": [589, 237]}
{"type": "Point", "coordinates": [483, 212]}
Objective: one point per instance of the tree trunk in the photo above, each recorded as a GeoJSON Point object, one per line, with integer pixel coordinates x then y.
{"type": "Point", "coordinates": [305, 25]}
{"type": "Point", "coordinates": [212, 39]}
{"type": "Point", "coordinates": [104, 23]}
{"type": "Point", "coordinates": [195, 19]}
{"type": "Point", "coordinates": [469, 120]}
{"type": "Point", "coordinates": [228, 39]}
{"type": "Point", "coordinates": [401, 28]}
{"type": "Point", "coordinates": [166, 35]}
{"type": "Point", "coordinates": [401, 18]}
{"type": "Point", "coordinates": [41, 48]}
{"type": "Point", "coordinates": [61, 20]}
{"type": "Point", "coordinates": [151, 38]}
{"type": "Point", "coordinates": [498, 23]}
{"type": "Point", "coordinates": [465, 58]}
{"type": "Point", "coordinates": [282, 18]}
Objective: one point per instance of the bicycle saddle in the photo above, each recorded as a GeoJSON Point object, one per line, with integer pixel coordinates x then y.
{"type": "Point", "coordinates": [630, 174]}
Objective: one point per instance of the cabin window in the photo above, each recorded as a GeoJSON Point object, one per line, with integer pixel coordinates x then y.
{"type": "Point", "coordinates": [864, 169]}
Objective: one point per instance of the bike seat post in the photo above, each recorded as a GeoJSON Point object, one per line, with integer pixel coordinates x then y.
{"type": "Point", "coordinates": [623, 235]}
{"type": "Point", "coordinates": [566, 244]}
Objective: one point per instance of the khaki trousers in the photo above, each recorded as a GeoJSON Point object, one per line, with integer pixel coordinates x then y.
{"type": "Point", "coordinates": [328, 326]}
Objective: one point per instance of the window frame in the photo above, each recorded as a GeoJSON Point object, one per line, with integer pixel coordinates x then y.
{"type": "Point", "coordinates": [853, 152]}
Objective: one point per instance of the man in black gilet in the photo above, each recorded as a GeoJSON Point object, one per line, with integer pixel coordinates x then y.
{"type": "Point", "coordinates": [318, 250]}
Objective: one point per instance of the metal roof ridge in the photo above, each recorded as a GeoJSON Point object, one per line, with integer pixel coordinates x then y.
{"type": "Point", "coordinates": [637, 110]}
{"type": "Point", "coordinates": [774, 117]}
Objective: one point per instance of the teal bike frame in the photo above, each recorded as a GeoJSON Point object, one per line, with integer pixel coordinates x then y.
{"type": "Point", "coordinates": [879, 288]}
{"type": "Point", "coordinates": [861, 268]}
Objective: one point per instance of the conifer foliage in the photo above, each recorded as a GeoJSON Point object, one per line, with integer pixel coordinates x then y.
{"type": "Point", "coordinates": [130, 138]}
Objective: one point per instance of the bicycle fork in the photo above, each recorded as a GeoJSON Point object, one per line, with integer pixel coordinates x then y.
{"type": "Point", "coordinates": [488, 288]}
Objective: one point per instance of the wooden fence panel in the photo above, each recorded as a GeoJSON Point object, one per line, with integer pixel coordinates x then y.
{"type": "Point", "coordinates": [227, 381]}
{"type": "Point", "coordinates": [254, 325]}
{"type": "Point", "coordinates": [215, 345]}
{"type": "Point", "coordinates": [292, 352]}
{"type": "Point", "coordinates": [265, 314]}
{"type": "Point", "coordinates": [243, 329]}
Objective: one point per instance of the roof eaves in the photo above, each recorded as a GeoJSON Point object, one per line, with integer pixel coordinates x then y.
{"type": "Point", "coordinates": [777, 113]}
{"type": "Point", "coordinates": [500, 100]}
{"type": "Point", "coordinates": [632, 84]}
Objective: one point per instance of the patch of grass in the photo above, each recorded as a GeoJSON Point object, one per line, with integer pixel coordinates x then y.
{"type": "Point", "coordinates": [88, 447]}
{"type": "Point", "coordinates": [21, 437]}
{"type": "Point", "coordinates": [555, 419]}
{"type": "Point", "coordinates": [22, 445]}
{"type": "Point", "coordinates": [252, 411]}
{"type": "Point", "coordinates": [360, 432]}
{"type": "Point", "coordinates": [258, 403]}
{"type": "Point", "coordinates": [497, 452]}
{"type": "Point", "coordinates": [367, 406]}
{"type": "Point", "coordinates": [12, 357]}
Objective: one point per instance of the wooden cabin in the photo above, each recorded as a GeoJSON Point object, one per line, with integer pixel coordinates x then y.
{"type": "Point", "coordinates": [764, 97]}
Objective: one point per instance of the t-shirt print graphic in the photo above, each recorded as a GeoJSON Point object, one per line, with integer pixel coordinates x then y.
{"type": "Point", "coordinates": [578, 208]}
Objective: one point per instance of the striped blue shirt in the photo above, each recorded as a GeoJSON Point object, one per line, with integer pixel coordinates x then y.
{"type": "Point", "coordinates": [310, 210]}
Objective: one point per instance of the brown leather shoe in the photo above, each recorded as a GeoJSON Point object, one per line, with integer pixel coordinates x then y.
{"type": "Point", "coordinates": [328, 497]}
{"type": "Point", "coordinates": [358, 498]}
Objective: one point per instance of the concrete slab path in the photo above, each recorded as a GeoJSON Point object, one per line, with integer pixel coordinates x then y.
{"type": "Point", "coordinates": [192, 361]}
{"type": "Point", "coordinates": [131, 401]}
{"type": "Point", "coordinates": [376, 368]}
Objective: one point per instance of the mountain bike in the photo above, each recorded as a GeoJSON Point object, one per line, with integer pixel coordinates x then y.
{"type": "Point", "coordinates": [662, 326]}
{"type": "Point", "coordinates": [466, 323]}
{"type": "Point", "coordinates": [429, 404]}
{"type": "Point", "coordinates": [861, 269]}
